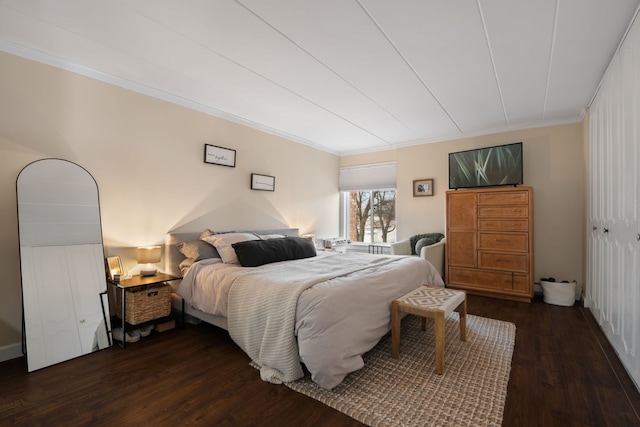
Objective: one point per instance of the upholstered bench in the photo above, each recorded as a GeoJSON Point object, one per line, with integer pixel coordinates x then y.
{"type": "Point", "coordinates": [429, 302]}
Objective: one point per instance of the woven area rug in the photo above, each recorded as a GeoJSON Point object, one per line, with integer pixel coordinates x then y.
{"type": "Point", "coordinates": [407, 392]}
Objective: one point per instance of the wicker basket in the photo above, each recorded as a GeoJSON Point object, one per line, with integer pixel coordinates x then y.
{"type": "Point", "coordinates": [146, 304]}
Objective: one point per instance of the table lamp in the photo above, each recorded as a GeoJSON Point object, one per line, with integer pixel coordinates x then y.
{"type": "Point", "coordinates": [148, 256]}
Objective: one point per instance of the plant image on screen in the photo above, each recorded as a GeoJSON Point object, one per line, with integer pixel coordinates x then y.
{"type": "Point", "coordinates": [492, 166]}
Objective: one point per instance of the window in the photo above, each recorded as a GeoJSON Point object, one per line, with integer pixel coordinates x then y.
{"type": "Point", "coordinates": [369, 216]}
{"type": "Point", "coordinates": [368, 203]}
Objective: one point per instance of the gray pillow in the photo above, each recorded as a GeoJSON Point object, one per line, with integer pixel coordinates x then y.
{"type": "Point", "coordinates": [425, 241]}
{"type": "Point", "coordinates": [197, 250]}
{"type": "Point", "coordinates": [414, 239]}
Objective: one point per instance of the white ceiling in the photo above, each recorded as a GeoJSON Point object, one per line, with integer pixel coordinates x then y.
{"type": "Point", "coordinates": [345, 76]}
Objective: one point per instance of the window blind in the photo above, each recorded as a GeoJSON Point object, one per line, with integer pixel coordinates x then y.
{"type": "Point", "coordinates": [378, 176]}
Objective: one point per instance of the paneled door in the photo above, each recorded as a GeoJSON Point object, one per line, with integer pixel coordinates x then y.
{"type": "Point", "coordinates": [613, 262]}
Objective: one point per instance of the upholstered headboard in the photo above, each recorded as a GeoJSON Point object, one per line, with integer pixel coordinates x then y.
{"type": "Point", "coordinates": [173, 257]}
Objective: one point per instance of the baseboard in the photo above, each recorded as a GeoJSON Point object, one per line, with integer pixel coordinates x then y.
{"type": "Point", "coordinates": [11, 351]}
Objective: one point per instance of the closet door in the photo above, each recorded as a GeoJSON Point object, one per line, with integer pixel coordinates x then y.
{"type": "Point", "coordinates": [596, 245]}
{"type": "Point", "coordinates": [626, 204]}
{"type": "Point", "coordinates": [614, 204]}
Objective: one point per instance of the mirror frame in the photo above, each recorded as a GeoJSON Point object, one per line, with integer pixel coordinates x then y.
{"type": "Point", "coordinates": [65, 305]}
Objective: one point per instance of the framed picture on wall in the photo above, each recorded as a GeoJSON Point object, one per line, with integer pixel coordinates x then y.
{"type": "Point", "coordinates": [422, 187]}
{"type": "Point", "coordinates": [219, 155]}
{"type": "Point", "coordinates": [263, 182]}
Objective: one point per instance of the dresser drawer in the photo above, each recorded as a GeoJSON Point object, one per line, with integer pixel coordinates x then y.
{"type": "Point", "coordinates": [503, 224]}
{"type": "Point", "coordinates": [521, 283]}
{"type": "Point", "coordinates": [504, 198]}
{"type": "Point", "coordinates": [504, 241]}
{"type": "Point", "coordinates": [484, 279]}
{"type": "Point", "coordinates": [503, 211]}
{"type": "Point", "coordinates": [503, 261]}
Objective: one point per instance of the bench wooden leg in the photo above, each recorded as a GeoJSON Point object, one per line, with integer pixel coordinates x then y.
{"type": "Point", "coordinates": [395, 330]}
{"type": "Point", "coordinates": [439, 332]}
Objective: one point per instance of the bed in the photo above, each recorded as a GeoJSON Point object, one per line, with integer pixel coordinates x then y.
{"type": "Point", "coordinates": [299, 309]}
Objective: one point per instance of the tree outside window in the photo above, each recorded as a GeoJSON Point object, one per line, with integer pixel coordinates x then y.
{"type": "Point", "coordinates": [372, 216]}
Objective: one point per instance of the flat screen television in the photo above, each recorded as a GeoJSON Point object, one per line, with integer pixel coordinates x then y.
{"type": "Point", "coordinates": [486, 167]}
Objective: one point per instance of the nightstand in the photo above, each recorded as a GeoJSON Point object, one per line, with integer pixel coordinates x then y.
{"type": "Point", "coordinates": [149, 295]}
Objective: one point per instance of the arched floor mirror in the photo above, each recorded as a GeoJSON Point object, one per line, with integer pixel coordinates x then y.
{"type": "Point", "coordinates": [64, 288]}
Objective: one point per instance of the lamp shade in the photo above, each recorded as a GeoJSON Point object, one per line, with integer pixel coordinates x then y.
{"type": "Point", "coordinates": [149, 255]}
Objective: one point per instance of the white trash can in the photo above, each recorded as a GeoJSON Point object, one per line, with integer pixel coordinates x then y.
{"type": "Point", "coordinates": [559, 293]}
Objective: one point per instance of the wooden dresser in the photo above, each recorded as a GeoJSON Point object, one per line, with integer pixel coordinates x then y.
{"type": "Point", "coordinates": [490, 242]}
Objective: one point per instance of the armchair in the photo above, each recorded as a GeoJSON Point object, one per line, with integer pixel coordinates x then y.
{"type": "Point", "coordinates": [432, 253]}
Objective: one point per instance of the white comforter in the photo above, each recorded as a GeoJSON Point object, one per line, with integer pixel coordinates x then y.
{"type": "Point", "coordinates": [342, 311]}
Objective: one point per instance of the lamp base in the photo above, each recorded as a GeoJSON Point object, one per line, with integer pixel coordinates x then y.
{"type": "Point", "coordinates": [148, 270]}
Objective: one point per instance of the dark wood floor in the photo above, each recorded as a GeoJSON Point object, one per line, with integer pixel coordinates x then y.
{"type": "Point", "coordinates": [564, 373]}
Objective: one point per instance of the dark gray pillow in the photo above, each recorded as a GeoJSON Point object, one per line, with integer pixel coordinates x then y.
{"type": "Point", "coordinates": [197, 250]}
{"type": "Point", "coordinates": [414, 239]}
{"type": "Point", "coordinates": [425, 241]}
{"type": "Point", "coordinates": [253, 253]}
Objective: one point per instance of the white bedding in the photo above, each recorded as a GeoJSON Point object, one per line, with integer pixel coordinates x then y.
{"type": "Point", "coordinates": [342, 311]}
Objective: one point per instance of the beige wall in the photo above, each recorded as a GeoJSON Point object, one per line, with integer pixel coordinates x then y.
{"type": "Point", "coordinates": [554, 165]}
{"type": "Point", "coordinates": [147, 158]}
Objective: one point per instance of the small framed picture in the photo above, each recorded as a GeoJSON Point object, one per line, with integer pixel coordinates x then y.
{"type": "Point", "coordinates": [114, 267]}
{"type": "Point", "coordinates": [422, 187]}
{"type": "Point", "coordinates": [263, 182]}
{"type": "Point", "coordinates": [219, 155]}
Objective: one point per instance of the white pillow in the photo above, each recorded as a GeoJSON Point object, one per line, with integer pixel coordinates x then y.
{"type": "Point", "coordinates": [223, 242]}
